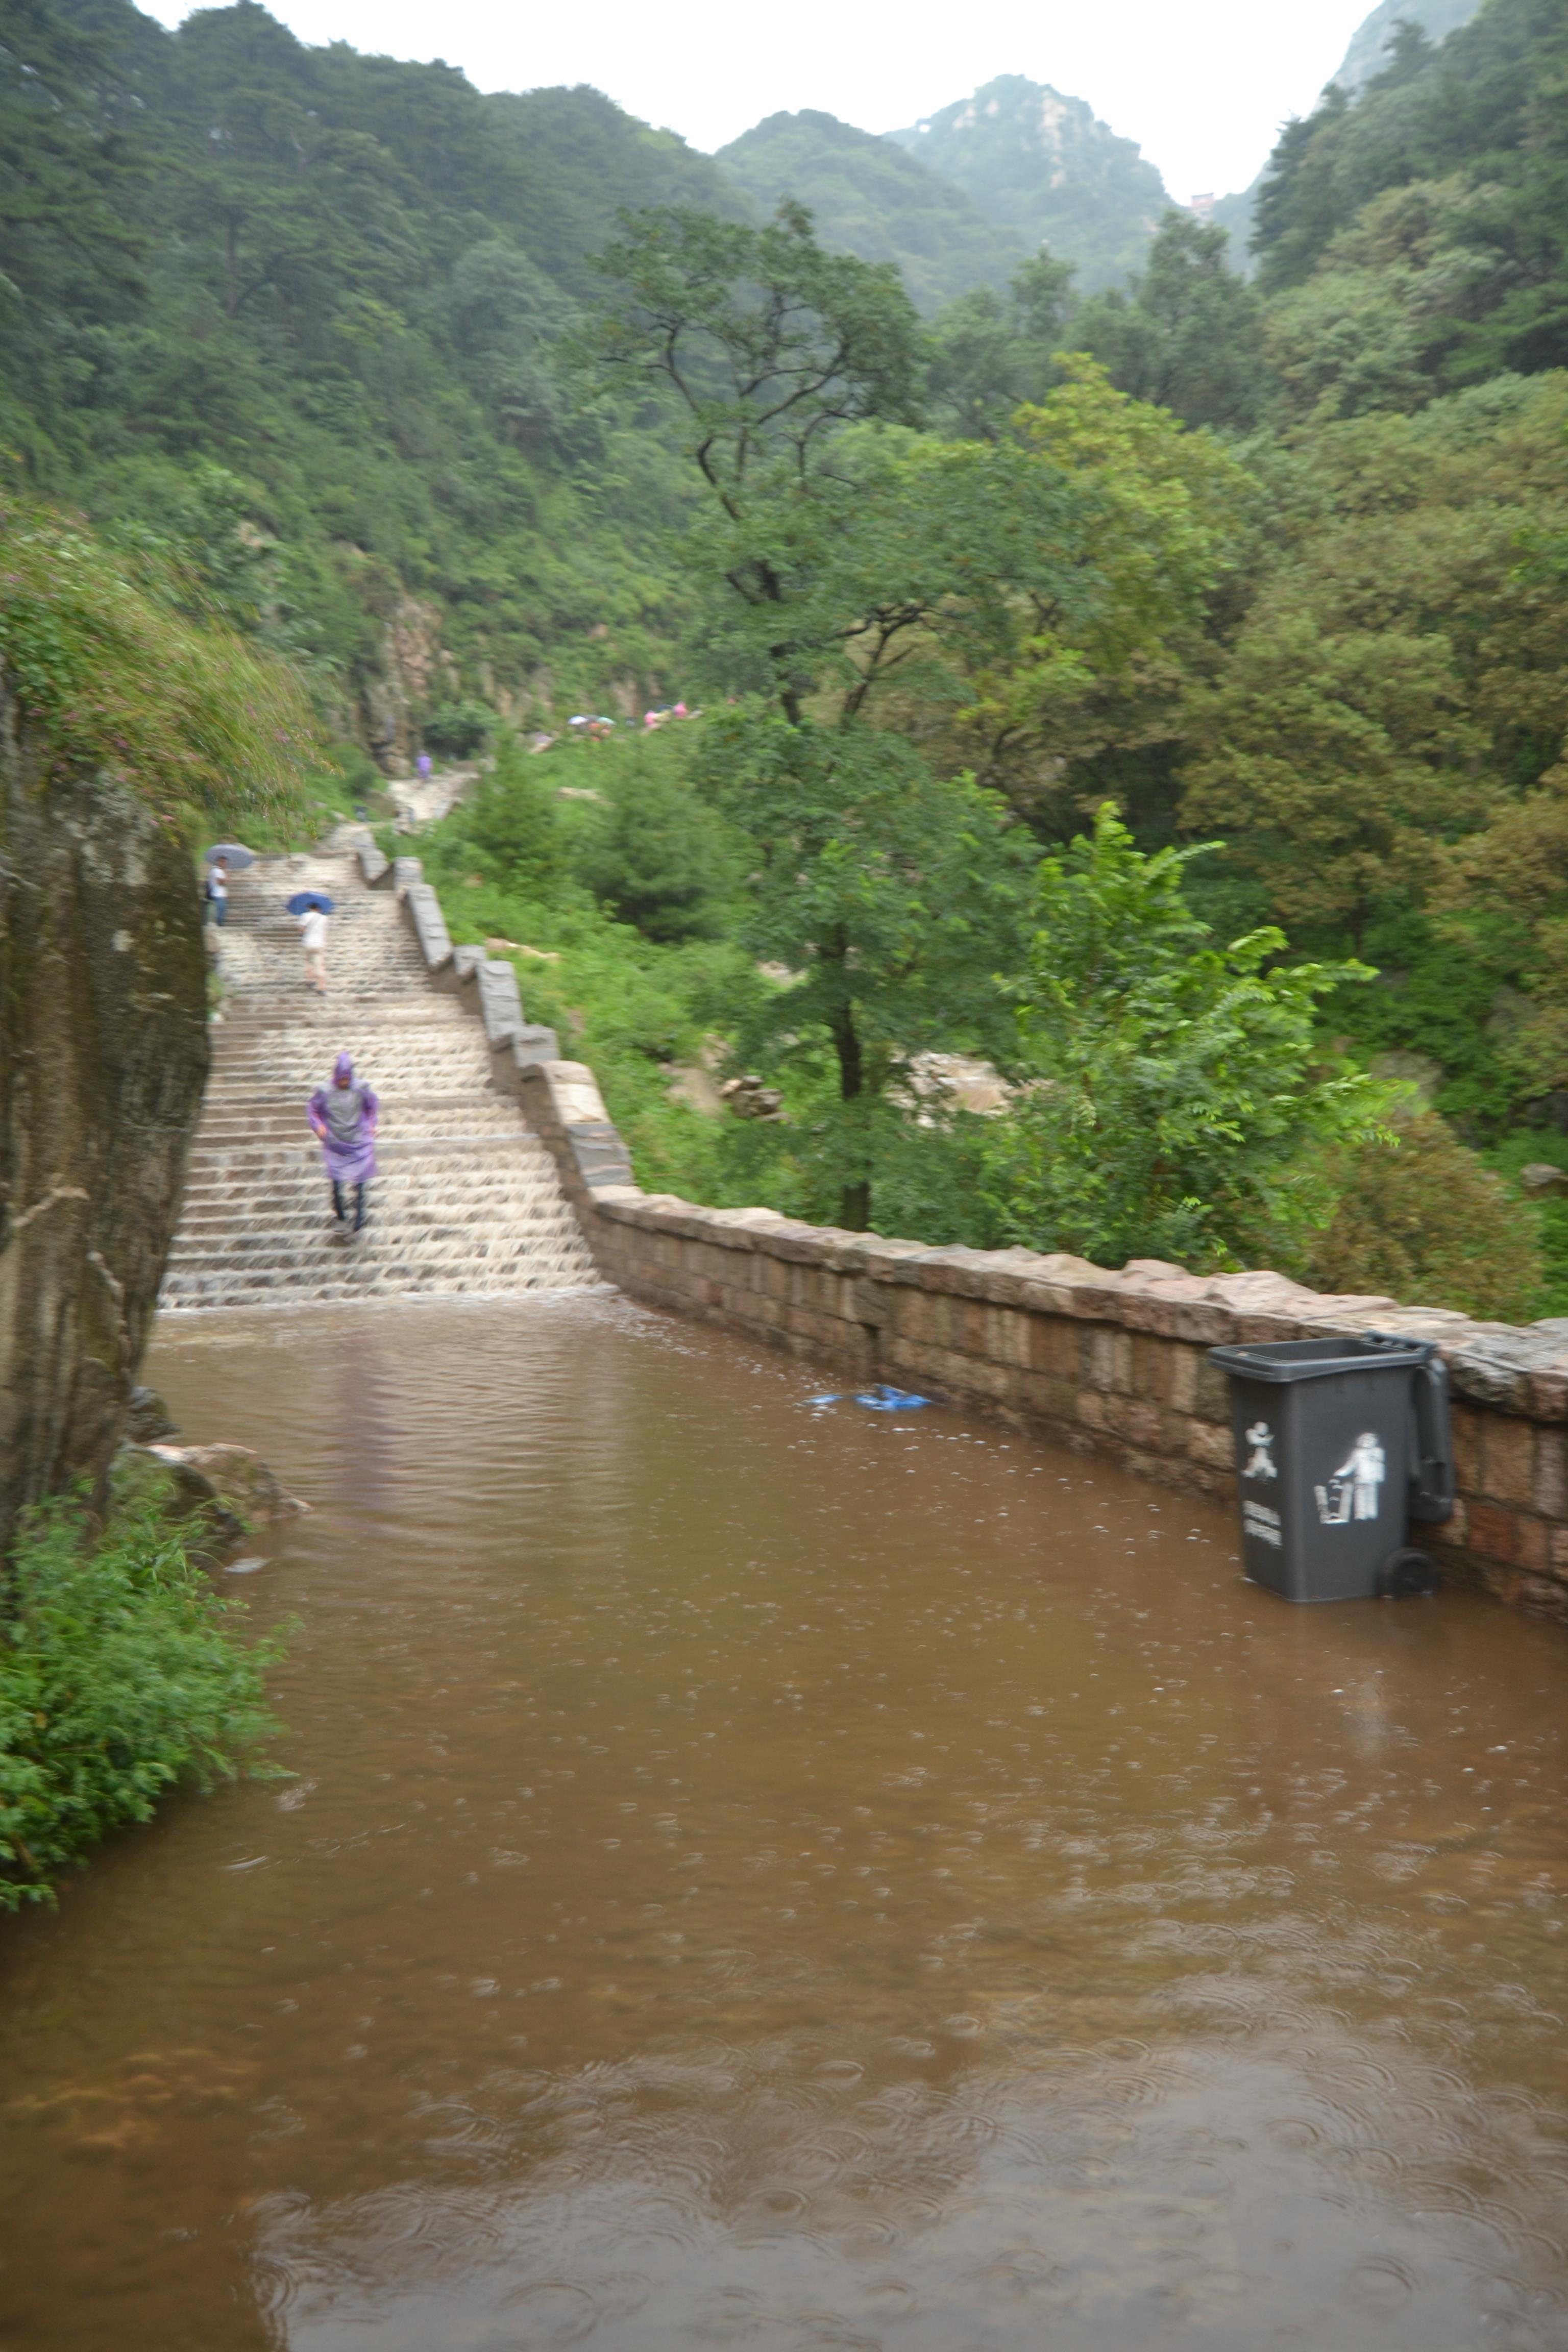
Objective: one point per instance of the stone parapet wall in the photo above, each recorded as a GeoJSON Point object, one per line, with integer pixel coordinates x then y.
{"type": "Point", "coordinates": [1116, 1362]}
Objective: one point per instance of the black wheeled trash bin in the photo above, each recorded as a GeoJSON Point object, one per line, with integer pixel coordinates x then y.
{"type": "Point", "coordinates": [1340, 1444]}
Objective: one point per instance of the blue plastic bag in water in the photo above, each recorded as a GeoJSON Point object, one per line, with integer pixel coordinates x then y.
{"type": "Point", "coordinates": [881, 1399]}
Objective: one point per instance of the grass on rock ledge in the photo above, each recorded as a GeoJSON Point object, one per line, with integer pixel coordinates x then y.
{"type": "Point", "coordinates": [124, 1675]}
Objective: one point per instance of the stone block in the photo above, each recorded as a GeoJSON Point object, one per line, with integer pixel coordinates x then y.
{"type": "Point", "coordinates": [1106, 1359]}
{"type": "Point", "coordinates": [1007, 1336]}
{"type": "Point", "coordinates": [429, 925]}
{"type": "Point", "coordinates": [467, 957]}
{"type": "Point", "coordinates": [1532, 1543]}
{"type": "Point", "coordinates": [533, 1045]}
{"type": "Point", "coordinates": [1187, 1366]}
{"type": "Point", "coordinates": [1493, 1531]}
{"type": "Point", "coordinates": [501, 1006]}
{"type": "Point", "coordinates": [406, 872]}
{"type": "Point", "coordinates": [1551, 1491]}
{"type": "Point", "coordinates": [1465, 1427]}
{"type": "Point", "coordinates": [1507, 1459]}
{"type": "Point", "coordinates": [1210, 1441]}
{"type": "Point", "coordinates": [1153, 1363]}
{"type": "Point", "coordinates": [1054, 1344]}
{"type": "Point", "coordinates": [914, 1316]}
{"type": "Point", "coordinates": [598, 1154]}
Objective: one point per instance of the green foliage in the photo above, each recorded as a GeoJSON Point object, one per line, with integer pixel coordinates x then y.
{"type": "Point", "coordinates": [1441, 192]}
{"type": "Point", "coordinates": [1176, 1105]}
{"type": "Point", "coordinates": [769, 347]}
{"type": "Point", "coordinates": [1188, 334]}
{"type": "Point", "coordinates": [122, 1676]}
{"type": "Point", "coordinates": [989, 353]}
{"type": "Point", "coordinates": [651, 849]}
{"type": "Point", "coordinates": [511, 822]}
{"type": "Point", "coordinates": [456, 731]}
{"type": "Point", "coordinates": [1421, 1219]}
{"type": "Point", "coordinates": [636, 1009]}
{"type": "Point", "coordinates": [889, 896]}
{"type": "Point", "coordinates": [869, 197]}
{"type": "Point", "coordinates": [336, 285]}
{"type": "Point", "coordinates": [114, 674]}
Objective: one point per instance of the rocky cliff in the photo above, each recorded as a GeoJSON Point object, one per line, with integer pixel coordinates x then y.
{"type": "Point", "coordinates": [103, 1053]}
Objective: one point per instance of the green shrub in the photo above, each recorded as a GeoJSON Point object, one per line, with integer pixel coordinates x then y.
{"type": "Point", "coordinates": [122, 1673]}
{"type": "Point", "coordinates": [1422, 1219]}
{"type": "Point", "coordinates": [511, 822]}
{"type": "Point", "coordinates": [458, 730]}
{"type": "Point", "coordinates": [657, 855]}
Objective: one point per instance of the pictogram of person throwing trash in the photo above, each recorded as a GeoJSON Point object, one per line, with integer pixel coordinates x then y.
{"type": "Point", "coordinates": [1260, 1461]}
{"type": "Point", "coordinates": [1351, 1492]}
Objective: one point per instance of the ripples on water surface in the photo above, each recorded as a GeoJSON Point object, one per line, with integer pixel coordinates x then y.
{"type": "Point", "coordinates": [758, 1877]}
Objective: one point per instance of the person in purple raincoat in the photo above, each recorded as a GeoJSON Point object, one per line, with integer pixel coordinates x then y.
{"type": "Point", "coordinates": [344, 1117]}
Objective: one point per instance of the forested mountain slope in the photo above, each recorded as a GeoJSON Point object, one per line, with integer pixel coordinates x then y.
{"type": "Point", "coordinates": [869, 197]}
{"type": "Point", "coordinates": [1367, 53]}
{"type": "Point", "coordinates": [1046, 167]}
{"type": "Point", "coordinates": [1422, 232]}
{"type": "Point", "coordinates": [296, 312]}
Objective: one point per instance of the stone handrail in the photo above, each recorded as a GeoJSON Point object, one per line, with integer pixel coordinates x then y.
{"type": "Point", "coordinates": [1113, 1361]}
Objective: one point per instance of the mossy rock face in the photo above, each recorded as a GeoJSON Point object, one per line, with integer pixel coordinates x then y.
{"type": "Point", "coordinates": [103, 1055]}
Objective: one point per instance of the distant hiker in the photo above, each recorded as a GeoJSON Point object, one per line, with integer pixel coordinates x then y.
{"type": "Point", "coordinates": [423, 765]}
{"type": "Point", "coordinates": [314, 939]}
{"type": "Point", "coordinates": [216, 893]}
{"type": "Point", "coordinates": [345, 1117]}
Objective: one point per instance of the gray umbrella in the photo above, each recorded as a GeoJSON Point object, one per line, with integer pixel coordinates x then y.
{"type": "Point", "coordinates": [233, 853]}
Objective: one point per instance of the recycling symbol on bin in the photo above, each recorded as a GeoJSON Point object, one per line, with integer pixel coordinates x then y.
{"type": "Point", "coordinates": [1260, 1461]}
{"type": "Point", "coordinates": [1351, 1490]}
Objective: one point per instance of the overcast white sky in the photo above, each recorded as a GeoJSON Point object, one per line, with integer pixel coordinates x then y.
{"type": "Point", "coordinates": [1202, 84]}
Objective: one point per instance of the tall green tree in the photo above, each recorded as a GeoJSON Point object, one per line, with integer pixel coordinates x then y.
{"type": "Point", "coordinates": [1188, 333]}
{"type": "Point", "coordinates": [891, 899]}
{"type": "Point", "coordinates": [770, 347]}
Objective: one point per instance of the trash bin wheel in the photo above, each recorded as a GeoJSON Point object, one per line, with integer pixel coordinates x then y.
{"type": "Point", "coordinates": [1409, 1574]}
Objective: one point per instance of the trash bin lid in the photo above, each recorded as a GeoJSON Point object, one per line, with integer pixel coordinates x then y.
{"type": "Point", "coordinates": [1317, 1359]}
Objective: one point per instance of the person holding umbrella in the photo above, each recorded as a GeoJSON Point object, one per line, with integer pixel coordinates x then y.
{"type": "Point", "coordinates": [344, 1117]}
{"type": "Point", "coordinates": [310, 909]}
{"type": "Point", "coordinates": [227, 858]}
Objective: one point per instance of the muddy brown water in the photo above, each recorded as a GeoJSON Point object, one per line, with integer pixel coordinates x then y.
{"type": "Point", "coordinates": [778, 1877]}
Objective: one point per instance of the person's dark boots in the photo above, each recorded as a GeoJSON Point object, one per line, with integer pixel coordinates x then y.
{"type": "Point", "coordinates": [359, 1208]}
{"type": "Point", "coordinates": [338, 1209]}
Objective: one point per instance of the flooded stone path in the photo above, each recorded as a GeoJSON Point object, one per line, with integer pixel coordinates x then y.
{"type": "Point", "coordinates": [760, 1876]}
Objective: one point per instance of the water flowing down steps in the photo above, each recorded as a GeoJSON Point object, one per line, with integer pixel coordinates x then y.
{"type": "Point", "coordinates": [467, 1200]}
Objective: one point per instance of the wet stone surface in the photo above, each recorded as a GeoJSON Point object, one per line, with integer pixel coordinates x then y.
{"type": "Point", "coordinates": [766, 1876]}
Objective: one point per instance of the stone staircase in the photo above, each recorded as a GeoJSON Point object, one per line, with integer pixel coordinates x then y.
{"type": "Point", "coordinates": [466, 1201]}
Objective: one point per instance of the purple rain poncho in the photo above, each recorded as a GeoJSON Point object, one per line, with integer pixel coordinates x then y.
{"type": "Point", "coordinates": [344, 1116]}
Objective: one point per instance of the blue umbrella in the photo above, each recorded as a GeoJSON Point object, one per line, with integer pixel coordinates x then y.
{"type": "Point", "coordinates": [233, 853]}
{"type": "Point", "coordinates": [303, 900]}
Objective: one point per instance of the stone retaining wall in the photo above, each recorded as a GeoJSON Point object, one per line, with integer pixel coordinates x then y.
{"type": "Point", "coordinates": [1116, 1362]}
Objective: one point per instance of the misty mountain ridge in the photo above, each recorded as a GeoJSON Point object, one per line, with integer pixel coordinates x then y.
{"type": "Point", "coordinates": [1044, 165]}
{"type": "Point", "coordinates": [869, 198]}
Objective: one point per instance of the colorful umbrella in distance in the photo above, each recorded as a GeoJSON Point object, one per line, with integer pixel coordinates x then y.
{"type": "Point", "coordinates": [233, 853]}
{"type": "Point", "coordinates": [303, 900]}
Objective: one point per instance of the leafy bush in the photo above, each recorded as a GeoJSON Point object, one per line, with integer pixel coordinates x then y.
{"type": "Point", "coordinates": [1176, 1106]}
{"type": "Point", "coordinates": [657, 855]}
{"type": "Point", "coordinates": [1422, 1219]}
{"type": "Point", "coordinates": [122, 1673]}
{"type": "Point", "coordinates": [511, 822]}
{"type": "Point", "coordinates": [456, 731]}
